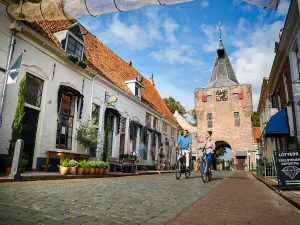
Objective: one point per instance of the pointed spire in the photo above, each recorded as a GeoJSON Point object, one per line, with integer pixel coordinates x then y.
{"type": "Point", "coordinates": [222, 74]}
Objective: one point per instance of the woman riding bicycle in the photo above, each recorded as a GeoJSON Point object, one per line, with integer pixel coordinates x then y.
{"type": "Point", "coordinates": [208, 148]}
{"type": "Point", "coordinates": [186, 142]}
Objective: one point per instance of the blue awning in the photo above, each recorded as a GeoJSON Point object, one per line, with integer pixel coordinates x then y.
{"type": "Point", "coordinates": [278, 125]}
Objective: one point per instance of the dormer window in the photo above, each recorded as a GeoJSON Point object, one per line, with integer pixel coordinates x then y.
{"type": "Point", "coordinates": [136, 87]}
{"type": "Point", "coordinates": [74, 47]}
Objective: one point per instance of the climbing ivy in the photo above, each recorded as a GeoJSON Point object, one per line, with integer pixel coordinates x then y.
{"type": "Point", "coordinates": [106, 131]}
{"type": "Point", "coordinates": [17, 123]}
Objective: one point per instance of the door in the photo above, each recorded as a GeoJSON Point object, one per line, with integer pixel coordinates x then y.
{"type": "Point", "coordinates": [28, 134]}
{"type": "Point", "coordinates": [240, 163]}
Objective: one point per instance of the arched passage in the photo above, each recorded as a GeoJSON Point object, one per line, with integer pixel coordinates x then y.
{"type": "Point", "coordinates": [222, 146]}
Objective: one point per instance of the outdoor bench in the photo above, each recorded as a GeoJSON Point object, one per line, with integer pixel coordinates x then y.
{"type": "Point", "coordinates": [62, 155]}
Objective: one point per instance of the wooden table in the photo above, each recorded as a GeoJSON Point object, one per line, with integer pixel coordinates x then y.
{"type": "Point", "coordinates": [63, 155]}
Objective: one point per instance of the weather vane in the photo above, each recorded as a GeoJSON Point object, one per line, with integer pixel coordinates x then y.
{"type": "Point", "coordinates": [220, 29]}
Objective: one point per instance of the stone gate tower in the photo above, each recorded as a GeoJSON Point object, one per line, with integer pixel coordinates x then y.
{"type": "Point", "coordinates": [225, 108]}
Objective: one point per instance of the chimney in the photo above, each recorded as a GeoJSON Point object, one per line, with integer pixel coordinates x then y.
{"type": "Point", "coordinates": [130, 63]}
{"type": "Point", "coordinates": [152, 80]}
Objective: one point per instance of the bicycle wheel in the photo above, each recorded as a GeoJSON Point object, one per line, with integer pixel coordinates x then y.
{"type": "Point", "coordinates": [203, 173]}
{"type": "Point", "coordinates": [187, 173]}
{"type": "Point", "coordinates": [178, 170]}
{"type": "Point", "coordinates": [209, 174]}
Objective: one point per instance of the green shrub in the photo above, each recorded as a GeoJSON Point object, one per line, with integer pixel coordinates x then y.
{"type": "Point", "coordinates": [24, 163]}
{"type": "Point", "coordinates": [65, 163]}
{"type": "Point", "coordinates": [46, 165]}
{"type": "Point", "coordinates": [73, 163]}
{"type": "Point", "coordinates": [17, 122]}
{"type": "Point", "coordinates": [8, 162]}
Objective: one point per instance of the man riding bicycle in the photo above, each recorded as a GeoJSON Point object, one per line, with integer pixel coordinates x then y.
{"type": "Point", "coordinates": [208, 148]}
{"type": "Point", "coordinates": [186, 142]}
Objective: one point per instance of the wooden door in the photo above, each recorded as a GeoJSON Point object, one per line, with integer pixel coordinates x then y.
{"type": "Point", "coordinates": [240, 163]}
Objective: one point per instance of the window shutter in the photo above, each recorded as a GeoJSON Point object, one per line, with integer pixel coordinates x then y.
{"type": "Point", "coordinates": [241, 95]}
{"type": "Point", "coordinates": [204, 98]}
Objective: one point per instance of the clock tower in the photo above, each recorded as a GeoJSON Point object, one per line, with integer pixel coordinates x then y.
{"type": "Point", "coordinates": [225, 107]}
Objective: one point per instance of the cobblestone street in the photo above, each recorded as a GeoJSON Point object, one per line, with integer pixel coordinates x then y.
{"type": "Point", "coordinates": [133, 200]}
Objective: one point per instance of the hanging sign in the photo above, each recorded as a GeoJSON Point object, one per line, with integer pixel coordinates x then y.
{"type": "Point", "coordinates": [111, 100]}
{"type": "Point", "coordinates": [288, 168]}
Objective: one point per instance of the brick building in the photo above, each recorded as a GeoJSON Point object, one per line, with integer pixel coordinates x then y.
{"type": "Point", "coordinates": [225, 108]}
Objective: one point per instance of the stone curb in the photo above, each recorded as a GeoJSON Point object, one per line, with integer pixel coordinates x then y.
{"type": "Point", "coordinates": [67, 177]}
{"type": "Point", "coordinates": [291, 201]}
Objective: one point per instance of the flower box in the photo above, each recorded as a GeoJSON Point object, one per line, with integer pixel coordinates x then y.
{"type": "Point", "coordinates": [73, 58]}
{"type": "Point", "coordinates": [82, 64]}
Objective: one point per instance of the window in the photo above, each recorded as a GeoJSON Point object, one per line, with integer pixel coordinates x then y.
{"type": "Point", "coordinates": [65, 121]}
{"type": "Point", "coordinates": [235, 96]}
{"type": "Point", "coordinates": [34, 90]}
{"type": "Point", "coordinates": [95, 113]}
{"type": "Point", "coordinates": [237, 119]}
{"type": "Point", "coordinates": [208, 98]}
{"type": "Point", "coordinates": [165, 127]}
{"type": "Point", "coordinates": [209, 120]}
{"type": "Point", "coordinates": [172, 131]}
{"type": "Point", "coordinates": [136, 90]}
{"type": "Point", "coordinates": [148, 120]}
{"type": "Point", "coordinates": [122, 134]}
{"type": "Point", "coordinates": [74, 47]}
{"type": "Point", "coordinates": [155, 123]}
{"type": "Point", "coordinates": [286, 88]}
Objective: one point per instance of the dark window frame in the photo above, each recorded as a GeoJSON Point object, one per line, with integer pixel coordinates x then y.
{"type": "Point", "coordinates": [62, 140]}
{"type": "Point", "coordinates": [237, 119]}
{"type": "Point", "coordinates": [209, 120]}
{"type": "Point", "coordinates": [34, 93]}
{"type": "Point", "coordinates": [75, 45]}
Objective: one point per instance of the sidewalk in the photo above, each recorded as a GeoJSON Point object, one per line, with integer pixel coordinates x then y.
{"type": "Point", "coordinates": [34, 176]}
{"type": "Point", "coordinates": [290, 195]}
{"type": "Point", "coordinates": [241, 199]}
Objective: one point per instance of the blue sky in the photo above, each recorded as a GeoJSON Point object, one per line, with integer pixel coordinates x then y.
{"type": "Point", "coordinates": [178, 43]}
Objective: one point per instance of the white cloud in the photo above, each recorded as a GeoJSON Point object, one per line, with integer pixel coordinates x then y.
{"type": "Point", "coordinates": [134, 36]}
{"type": "Point", "coordinates": [204, 4]}
{"type": "Point", "coordinates": [183, 54]}
{"type": "Point", "coordinates": [212, 35]}
{"type": "Point", "coordinates": [283, 7]}
{"type": "Point", "coordinates": [170, 26]}
{"type": "Point", "coordinates": [254, 57]}
{"type": "Point", "coordinates": [166, 89]}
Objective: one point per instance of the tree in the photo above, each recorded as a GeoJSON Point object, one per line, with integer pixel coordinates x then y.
{"type": "Point", "coordinates": [220, 152]}
{"type": "Point", "coordinates": [174, 105]}
{"type": "Point", "coordinates": [193, 119]}
{"type": "Point", "coordinates": [255, 119]}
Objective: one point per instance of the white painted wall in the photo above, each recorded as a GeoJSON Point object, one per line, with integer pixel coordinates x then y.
{"type": "Point", "coordinates": [39, 61]}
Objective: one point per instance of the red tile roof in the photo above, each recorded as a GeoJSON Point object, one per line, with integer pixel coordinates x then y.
{"type": "Point", "coordinates": [256, 134]}
{"type": "Point", "coordinates": [106, 62]}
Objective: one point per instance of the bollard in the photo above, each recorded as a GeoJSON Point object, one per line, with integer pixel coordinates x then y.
{"type": "Point", "coordinates": [17, 160]}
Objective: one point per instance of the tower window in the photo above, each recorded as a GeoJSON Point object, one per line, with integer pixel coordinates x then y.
{"type": "Point", "coordinates": [209, 120]}
{"type": "Point", "coordinates": [235, 96]}
{"type": "Point", "coordinates": [237, 122]}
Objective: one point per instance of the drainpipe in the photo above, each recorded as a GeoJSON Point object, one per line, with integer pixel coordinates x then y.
{"type": "Point", "coordinates": [11, 48]}
{"type": "Point", "coordinates": [92, 98]}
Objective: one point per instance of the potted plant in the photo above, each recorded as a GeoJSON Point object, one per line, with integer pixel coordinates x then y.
{"type": "Point", "coordinates": [46, 167]}
{"type": "Point", "coordinates": [102, 168]}
{"type": "Point", "coordinates": [7, 165]}
{"type": "Point", "coordinates": [80, 167]}
{"type": "Point", "coordinates": [107, 167]}
{"type": "Point", "coordinates": [73, 58]}
{"type": "Point", "coordinates": [72, 167]}
{"type": "Point", "coordinates": [24, 163]}
{"type": "Point", "coordinates": [87, 134]}
{"type": "Point", "coordinates": [92, 167]}
{"type": "Point", "coordinates": [97, 165]}
{"type": "Point", "coordinates": [86, 167]}
{"type": "Point", "coordinates": [82, 64]}
{"type": "Point", "coordinates": [64, 167]}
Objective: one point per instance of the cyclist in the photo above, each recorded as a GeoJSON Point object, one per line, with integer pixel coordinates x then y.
{"type": "Point", "coordinates": [186, 142]}
{"type": "Point", "coordinates": [209, 147]}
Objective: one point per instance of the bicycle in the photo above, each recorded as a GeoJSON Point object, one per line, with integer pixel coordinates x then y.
{"type": "Point", "coordinates": [205, 169]}
{"type": "Point", "coordinates": [180, 166]}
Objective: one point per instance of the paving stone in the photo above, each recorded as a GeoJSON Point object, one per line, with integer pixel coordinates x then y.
{"type": "Point", "coordinates": [105, 222]}
{"type": "Point", "coordinates": [35, 218]}
{"type": "Point", "coordinates": [51, 222]}
{"type": "Point", "coordinates": [7, 220]}
{"type": "Point", "coordinates": [88, 218]}
{"type": "Point", "coordinates": [74, 221]}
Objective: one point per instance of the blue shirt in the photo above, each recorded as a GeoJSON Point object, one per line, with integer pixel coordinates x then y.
{"type": "Point", "coordinates": [185, 142]}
